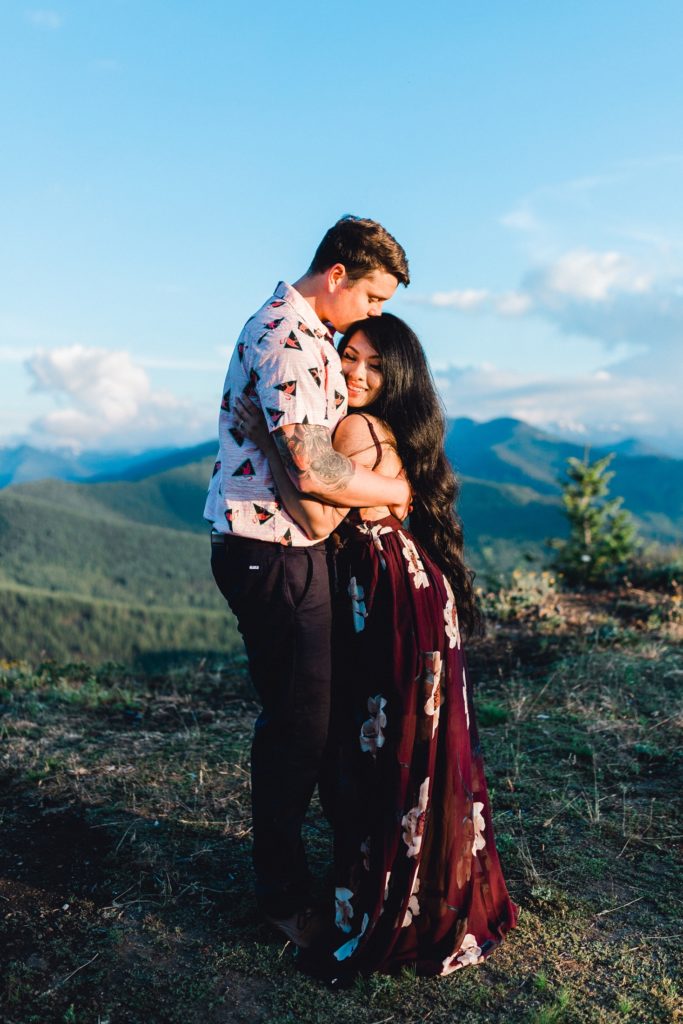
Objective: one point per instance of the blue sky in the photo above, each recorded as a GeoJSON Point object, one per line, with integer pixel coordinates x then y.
{"type": "Point", "coordinates": [166, 163]}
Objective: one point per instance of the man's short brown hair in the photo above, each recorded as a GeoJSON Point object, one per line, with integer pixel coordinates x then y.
{"type": "Point", "coordinates": [361, 245]}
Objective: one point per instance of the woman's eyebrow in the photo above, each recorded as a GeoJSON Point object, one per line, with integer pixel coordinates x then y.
{"type": "Point", "coordinates": [354, 351]}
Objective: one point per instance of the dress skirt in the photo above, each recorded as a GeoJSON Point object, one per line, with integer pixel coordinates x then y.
{"type": "Point", "coordinates": [417, 877]}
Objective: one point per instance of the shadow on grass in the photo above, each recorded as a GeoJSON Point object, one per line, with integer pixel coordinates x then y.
{"type": "Point", "coordinates": [108, 914]}
{"type": "Point", "coordinates": [69, 849]}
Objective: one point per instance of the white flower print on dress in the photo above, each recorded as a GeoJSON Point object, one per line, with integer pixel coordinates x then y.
{"type": "Point", "coordinates": [376, 532]}
{"type": "Point", "coordinates": [385, 897]}
{"type": "Point", "coordinates": [357, 595]}
{"type": "Point", "coordinates": [450, 615]}
{"type": "Point", "coordinates": [432, 687]}
{"type": "Point", "coordinates": [464, 696]}
{"type": "Point", "coordinates": [371, 731]}
{"type": "Point", "coordinates": [469, 953]}
{"type": "Point", "coordinates": [415, 565]}
{"type": "Point", "coordinates": [479, 826]}
{"type": "Point", "coordinates": [349, 947]}
{"type": "Point", "coordinates": [413, 908]}
{"type": "Point", "coordinates": [343, 908]}
{"type": "Point", "coordinates": [414, 822]}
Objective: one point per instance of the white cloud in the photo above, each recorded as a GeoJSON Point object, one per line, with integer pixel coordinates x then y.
{"type": "Point", "coordinates": [467, 300]}
{"type": "Point", "coordinates": [646, 316]}
{"type": "Point", "coordinates": [603, 254]}
{"type": "Point", "coordinates": [581, 274]}
{"type": "Point", "coordinates": [597, 294]}
{"type": "Point", "coordinates": [604, 296]}
{"type": "Point", "coordinates": [106, 400]}
{"type": "Point", "coordinates": [478, 300]}
{"type": "Point", "coordinates": [603, 406]}
{"type": "Point", "coordinates": [593, 276]}
{"type": "Point", "coordinates": [49, 20]}
{"type": "Point", "coordinates": [513, 304]}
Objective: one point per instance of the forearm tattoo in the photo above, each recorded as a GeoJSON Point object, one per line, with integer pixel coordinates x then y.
{"type": "Point", "coordinates": [308, 457]}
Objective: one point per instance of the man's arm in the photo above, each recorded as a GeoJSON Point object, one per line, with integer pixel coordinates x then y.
{"type": "Point", "coordinates": [317, 469]}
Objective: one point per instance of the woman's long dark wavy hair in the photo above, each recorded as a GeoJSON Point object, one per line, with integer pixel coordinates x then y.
{"type": "Point", "coordinates": [410, 407]}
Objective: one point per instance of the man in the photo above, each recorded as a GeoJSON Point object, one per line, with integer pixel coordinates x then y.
{"type": "Point", "coordinates": [274, 577]}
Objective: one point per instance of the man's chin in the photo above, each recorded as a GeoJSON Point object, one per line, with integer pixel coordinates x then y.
{"type": "Point", "coordinates": [343, 328]}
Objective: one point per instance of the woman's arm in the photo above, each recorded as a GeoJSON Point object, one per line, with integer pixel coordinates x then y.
{"type": "Point", "coordinates": [351, 438]}
{"type": "Point", "coordinates": [322, 471]}
{"type": "Point", "coordinates": [316, 519]}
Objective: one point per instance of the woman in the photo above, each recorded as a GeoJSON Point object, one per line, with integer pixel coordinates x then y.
{"type": "Point", "coordinates": [416, 871]}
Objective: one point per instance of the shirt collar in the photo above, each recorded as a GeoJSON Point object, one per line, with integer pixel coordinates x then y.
{"type": "Point", "coordinates": [305, 311]}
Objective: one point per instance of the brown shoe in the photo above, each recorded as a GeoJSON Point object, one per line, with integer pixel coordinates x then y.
{"type": "Point", "coordinates": [302, 927]}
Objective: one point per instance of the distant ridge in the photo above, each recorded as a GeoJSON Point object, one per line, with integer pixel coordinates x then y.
{"type": "Point", "coordinates": [25, 463]}
{"type": "Point", "coordinates": [159, 464]}
{"type": "Point", "coordinates": [166, 488]}
{"type": "Point", "coordinates": [508, 451]}
{"type": "Point", "coordinates": [634, 446]}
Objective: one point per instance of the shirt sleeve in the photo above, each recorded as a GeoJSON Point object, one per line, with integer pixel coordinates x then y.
{"type": "Point", "coordinates": [287, 376]}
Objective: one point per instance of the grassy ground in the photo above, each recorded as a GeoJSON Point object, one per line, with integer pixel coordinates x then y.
{"type": "Point", "coordinates": [125, 834]}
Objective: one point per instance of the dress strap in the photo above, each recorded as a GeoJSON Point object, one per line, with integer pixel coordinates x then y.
{"type": "Point", "coordinates": [376, 440]}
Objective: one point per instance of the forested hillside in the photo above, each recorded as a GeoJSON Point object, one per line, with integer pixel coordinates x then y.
{"type": "Point", "coordinates": [133, 551]}
{"type": "Point", "coordinates": [109, 571]}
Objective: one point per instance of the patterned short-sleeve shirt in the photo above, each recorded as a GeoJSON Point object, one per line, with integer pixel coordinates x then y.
{"type": "Point", "coordinates": [284, 361]}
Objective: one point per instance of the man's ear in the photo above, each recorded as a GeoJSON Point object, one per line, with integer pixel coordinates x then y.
{"type": "Point", "coordinates": [336, 277]}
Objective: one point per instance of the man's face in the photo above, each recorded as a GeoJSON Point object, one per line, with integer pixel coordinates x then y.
{"type": "Point", "coordinates": [348, 301]}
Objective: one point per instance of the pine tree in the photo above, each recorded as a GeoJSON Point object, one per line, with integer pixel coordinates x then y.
{"type": "Point", "coordinates": [602, 535]}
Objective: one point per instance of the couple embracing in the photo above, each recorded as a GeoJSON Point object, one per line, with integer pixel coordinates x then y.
{"type": "Point", "coordinates": [353, 623]}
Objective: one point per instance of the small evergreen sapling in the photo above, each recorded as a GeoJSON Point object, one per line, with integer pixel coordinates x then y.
{"type": "Point", "coordinates": [602, 535]}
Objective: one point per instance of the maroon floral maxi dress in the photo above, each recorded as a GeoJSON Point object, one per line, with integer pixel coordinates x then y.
{"type": "Point", "coordinates": [417, 876]}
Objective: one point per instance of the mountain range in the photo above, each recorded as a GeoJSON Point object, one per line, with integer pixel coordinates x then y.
{"type": "Point", "coordinates": [24, 463]}
{"type": "Point", "coordinates": [509, 453]}
{"type": "Point", "coordinates": [128, 546]}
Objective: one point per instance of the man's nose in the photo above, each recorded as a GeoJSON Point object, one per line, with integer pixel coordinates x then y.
{"type": "Point", "coordinates": [375, 310]}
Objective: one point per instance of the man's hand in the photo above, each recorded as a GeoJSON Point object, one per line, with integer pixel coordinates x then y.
{"type": "Point", "coordinates": [252, 423]}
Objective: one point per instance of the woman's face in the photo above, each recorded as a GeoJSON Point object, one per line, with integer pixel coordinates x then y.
{"type": "Point", "coordinates": [362, 368]}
